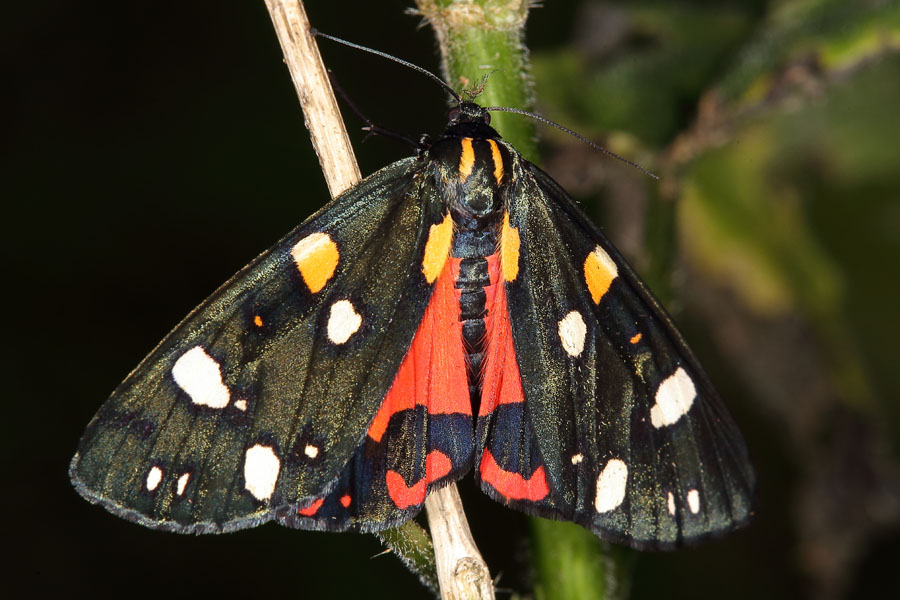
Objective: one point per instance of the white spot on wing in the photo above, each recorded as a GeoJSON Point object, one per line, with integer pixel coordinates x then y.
{"type": "Point", "coordinates": [182, 483]}
{"type": "Point", "coordinates": [670, 503]}
{"type": "Point", "coordinates": [606, 261]}
{"type": "Point", "coordinates": [200, 376]}
{"type": "Point", "coordinates": [572, 332]}
{"type": "Point", "coordinates": [261, 468]}
{"type": "Point", "coordinates": [309, 245]}
{"type": "Point", "coordinates": [240, 404]}
{"type": "Point", "coordinates": [343, 321]}
{"type": "Point", "coordinates": [577, 458]}
{"type": "Point", "coordinates": [674, 398]}
{"type": "Point", "coordinates": [693, 499]}
{"type": "Point", "coordinates": [311, 451]}
{"type": "Point", "coordinates": [153, 478]}
{"type": "Point", "coordinates": [611, 485]}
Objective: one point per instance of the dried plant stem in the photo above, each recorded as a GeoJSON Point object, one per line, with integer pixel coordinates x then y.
{"type": "Point", "coordinates": [461, 571]}
{"type": "Point", "coordinates": [320, 108]}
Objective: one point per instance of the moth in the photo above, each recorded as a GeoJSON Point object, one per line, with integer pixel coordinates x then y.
{"type": "Point", "coordinates": [454, 312]}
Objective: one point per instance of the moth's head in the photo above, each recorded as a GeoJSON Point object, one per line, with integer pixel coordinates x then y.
{"type": "Point", "coordinates": [468, 112]}
{"type": "Point", "coordinates": [468, 119]}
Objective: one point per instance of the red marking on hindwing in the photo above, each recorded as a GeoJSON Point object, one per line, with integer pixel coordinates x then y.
{"type": "Point", "coordinates": [502, 382]}
{"type": "Point", "coordinates": [345, 500]}
{"type": "Point", "coordinates": [433, 372]}
{"type": "Point", "coordinates": [312, 509]}
{"type": "Point", "coordinates": [513, 486]}
{"type": "Point", "coordinates": [437, 465]}
{"type": "Point", "coordinates": [403, 495]}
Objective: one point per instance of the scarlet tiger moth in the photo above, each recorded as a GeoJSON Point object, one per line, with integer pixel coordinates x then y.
{"type": "Point", "coordinates": [454, 311]}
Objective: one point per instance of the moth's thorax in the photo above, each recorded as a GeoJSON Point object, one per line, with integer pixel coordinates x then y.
{"type": "Point", "coordinates": [472, 170]}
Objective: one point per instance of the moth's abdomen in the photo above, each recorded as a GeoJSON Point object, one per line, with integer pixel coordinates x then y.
{"type": "Point", "coordinates": [476, 281]}
{"type": "Point", "coordinates": [474, 172]}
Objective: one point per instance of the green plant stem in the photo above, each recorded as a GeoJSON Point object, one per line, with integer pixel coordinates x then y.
{"type": "Point", "coordinates": [483, 38]}
{"type": "Point", "coordinates": [412, 545]}
{"type": "Point", "coordinates": [571, 562]}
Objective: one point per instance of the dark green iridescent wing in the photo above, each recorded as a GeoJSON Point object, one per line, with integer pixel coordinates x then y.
{"type": "Point", "coordinates": [636, 443]}
{"type": "Point", "coordinates": [259, 397]}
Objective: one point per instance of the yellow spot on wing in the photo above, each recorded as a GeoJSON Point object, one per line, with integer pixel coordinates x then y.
{"type": "Point", "coordinates": [437, 248]}
{"type": "Point", "coordinates": [599, 272]}
{"type": "Point", "coordinates": [498, 161]}
{"type": "Point", "coordinates": [509, 250]}
{"type": "Point", "coordinates": [316, 256]}
{"type": "Point", "coordinates": [466, 159]}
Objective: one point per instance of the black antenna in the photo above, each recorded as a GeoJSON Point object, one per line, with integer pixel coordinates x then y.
{"type": "Point", "coordinates": [538, 117]}
{"type": "Point", "coordinates": [371, 128]}
{"type": "Point", "coordinates": [316, 33]}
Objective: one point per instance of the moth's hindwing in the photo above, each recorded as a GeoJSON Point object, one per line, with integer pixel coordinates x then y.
{"type": "Point", "coordinates": [421, 435]}
{"type": "Point", "coordinates": [255, 403]}
{"type": "Point", "coordinates": [615, 425]}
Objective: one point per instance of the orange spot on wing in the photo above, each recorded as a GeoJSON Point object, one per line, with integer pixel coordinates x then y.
{"type": "Point", "coordinates": [498, 161]}
{"type": "Point", "coordinates": [316, 257]}
{"type": "Point", "coordinates": [466, 159]}
{"type": "Point", "coordinates": [257, 320]}
{"type": "Point", "coordinates": [509, 250]}
{"type": "Point", "coordinates": [502, 382]}
{"type": "Point", "coordinates": [636, 338]}
{"type": "Point", "coordinates": [345, 500]}
{"type": "Point", "coordinates": [513, 486]}
{"type": "Point", "coordinates": [433, 372]}
{"type": "Point", "coordinates": [599, 272]}
{"type": "Point", "coordinates": [312, 509]}
{"type": "Point", "coordinates": [437, 248]}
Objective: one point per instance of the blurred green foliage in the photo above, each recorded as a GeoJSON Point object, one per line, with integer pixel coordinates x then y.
{"type": "Point", "coordinates": [774, 128]}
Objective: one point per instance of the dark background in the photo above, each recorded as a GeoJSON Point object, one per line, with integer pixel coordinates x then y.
{"type": "Point", "coordinates": [151, 149]}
